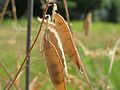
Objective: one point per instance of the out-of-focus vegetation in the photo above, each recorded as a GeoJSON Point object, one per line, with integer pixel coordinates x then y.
{"type": "Point", "coordinates": [13, 46]}
{"type": "Point", "coordinates": [13, 42]}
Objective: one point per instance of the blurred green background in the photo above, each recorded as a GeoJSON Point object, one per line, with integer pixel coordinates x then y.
{"type": "Point", "coordinates": [104, 31]}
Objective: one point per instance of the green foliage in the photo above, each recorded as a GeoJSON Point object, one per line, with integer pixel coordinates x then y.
{"type": "Point", "coordinates": [88, 5]}
{"type": "Point", "coordinates": [117, 5]}
{"type": "Point", "coordinates": [113, 9]}
{"type": "Point", "coordinates": [79, 7]}
{"type": "Point", "coordinates": [97, 68]}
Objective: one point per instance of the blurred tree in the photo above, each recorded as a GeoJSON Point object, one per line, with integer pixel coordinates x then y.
{"type": "Point", "coordinates": [113, 10]}
{"type": "Point", "coordinates": [107, 10]}
{"type": "Point", "coordinates": [116, 7]}
{"type": "Point", "coordinates": [21, 7]}
{"type": "Point", "coordinates": [84, 6]}
{"type": "Point", "coordinates": [112, 13]}
{"type": "Point", "coordinates": [2, 3]}
{"type": "Point", "coordinates": [79, 8]}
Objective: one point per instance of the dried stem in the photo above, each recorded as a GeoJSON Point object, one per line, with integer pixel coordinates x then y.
{"type": "Point", "coordinates": [7, 72]}
{"type": "Point", "coordinates": [14, 9]}
{"type": "Point", "coordinates": [113, 56]}
{"type": "Point", "coordinates": [67, 13]}
{"type": "Point", "coordinates": [68, 20]}
{"type": "Point", "coordinates": [85, 75]}
{"type": "Point", "coordinates": [112, 61]}
{"type": "Point", "coordinates": [4, 9]}
{"type": "Point", "coordinates": [11, 82]}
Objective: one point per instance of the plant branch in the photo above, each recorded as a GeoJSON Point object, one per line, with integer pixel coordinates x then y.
{"type": "Point", "coordinates": [11, 82]}
{"type": "Point", "coordinates": [8, 74]}
{"type": "Point", "coordinates": [112, 61]}
{"type": "Point", "coordinates": [113, 56]}
{"type": "Point", "coordinates": [67, 13]}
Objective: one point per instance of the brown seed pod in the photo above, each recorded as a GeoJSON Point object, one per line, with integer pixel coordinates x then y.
{"type": "Point", "coordinates": [53, 55]}
{"type": "Point", "coordinates": [54, 38]}
{"type": "Point", "coordinates": [67, 38]}
{"type": "Point", "coordinates": [87, 23]}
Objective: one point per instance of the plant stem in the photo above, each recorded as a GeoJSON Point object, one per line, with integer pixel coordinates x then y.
{"type": "Point", "coordinates": [11, 82]}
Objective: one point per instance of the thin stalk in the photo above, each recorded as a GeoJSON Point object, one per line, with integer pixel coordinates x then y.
{"type": "Point", "coordinates": [113, 56]}
{"type": "Point", "coordinates": [11, 82]}
{"type": "Point", "coordinates": [4, 9]}
{"type": "Point", "coordinates": [67, 13]}
{"type": "Point", "coordinates": [111, 63]}
{"type": "Point", "coordinates": [7, 72]}
{"type": "Point", "coordinates": [83, 68]}
{"type": "Point", "coordinates": [14, 9]}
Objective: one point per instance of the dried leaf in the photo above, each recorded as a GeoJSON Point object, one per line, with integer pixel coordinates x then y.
{"type": "Point", "coordinates": [67, 38]}
{"type": "Point", "coordinates": [54, 64]}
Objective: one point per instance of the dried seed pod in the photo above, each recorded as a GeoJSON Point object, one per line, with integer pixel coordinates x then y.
{"type": "Point", "coordinates": [67, 38]}
{"type": "Point", "coordinates": [55, 58]}
{"type": "Point", "coordinates": [87, 23]}
{"type": "Point", "coordinates": [55, 66]}
{"type": "Point", "coordinates": [54, 38]}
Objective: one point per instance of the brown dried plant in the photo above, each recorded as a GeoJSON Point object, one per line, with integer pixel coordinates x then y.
{"type": "Point", "coordinates": [66, 36]}
{"type": "Point", "coordinates": [7, 73]}
{"type": "Point", "coordinates": [59, 24]}
{"type": "Point", "coordinates": [56, 39]}
{"type": "Point", "coordinates": [69, 44]}
{"type": "Point", "coordinates": [87, 23]}
{"type": "Point", "coordinates": [54, 63]}
{"type": "Point", "coordinates": [8, 86]}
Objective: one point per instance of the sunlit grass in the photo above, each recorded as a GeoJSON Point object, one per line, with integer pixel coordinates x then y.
{"type": "Point", "coordinates": [97, 68]}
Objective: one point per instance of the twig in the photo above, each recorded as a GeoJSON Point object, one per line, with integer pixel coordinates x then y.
{"type": "Point", "coordinates": [67, 13]}
{"type": "Point", "coordinates": [68, 20]}
{"type": "Point", "coordinates": [112, 61]}
{"type": "Point", "coordinates": [11, 82]}
{"type": "Point", "coordinates": [14, 9]}
{"type": "Point", "coordinates": [22, 71]}
{"type": "Point", "coordinates": [86, 75]}
{"type": "Point", "coordinates": [85, 71]}
{"type": "Point", "coordinates": [4, 9]}
{"type": "Point", "coordinates": [113, 56]}
{"type": "Point", "coordinates": [5, 69]}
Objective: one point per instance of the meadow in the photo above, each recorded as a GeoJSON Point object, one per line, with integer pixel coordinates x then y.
{"type": "Point", "coordinates": [102, 35]}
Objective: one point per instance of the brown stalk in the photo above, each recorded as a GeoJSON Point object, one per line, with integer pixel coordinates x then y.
{"type": "Point", "coordinates": [67, 13]}
{"type": "Point", "coordinates": [4, 9]}
{"type": "Point", "coordinates": [7, 72]}
{"type": "Point", "coordinates": [14, 9]}
{"type": "Point", "coordinates": [111, 63]}
{"type": "Point", "coordinates": [26, 58]}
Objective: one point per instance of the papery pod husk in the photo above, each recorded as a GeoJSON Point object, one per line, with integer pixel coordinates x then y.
{"type": "Point", "coordinates": [54, 64]}
{"type": "Point", "coordinates": [54, 38]}
{"type": "Point", "coordinates": [67, 38]}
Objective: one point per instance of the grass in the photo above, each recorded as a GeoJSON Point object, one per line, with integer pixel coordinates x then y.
{"type": "Point", "coordinates": [13, 46]}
